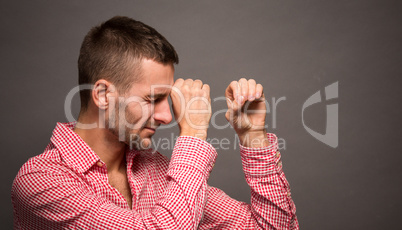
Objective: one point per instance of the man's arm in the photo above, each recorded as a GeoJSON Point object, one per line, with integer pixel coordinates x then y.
{"type": "Point", "coordinates": [57, 197]}
{"type": "Point", "coordinates": [271, 205]}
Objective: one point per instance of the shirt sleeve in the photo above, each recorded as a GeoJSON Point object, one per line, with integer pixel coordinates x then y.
{"type": "Point", "coordinates": [57, 198]}
{"type": "Point", "coordinates": [271, 204]}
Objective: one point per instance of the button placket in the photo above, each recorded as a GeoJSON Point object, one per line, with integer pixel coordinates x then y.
{"type": "Point", "coordinates": [278, 154]}
{"type": "Point", "coordinates": [278, 159]}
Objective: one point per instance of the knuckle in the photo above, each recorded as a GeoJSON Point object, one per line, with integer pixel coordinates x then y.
{"type": "Point", "coordinates": [178, 82]}
{"type": "Point", "coordinates": [185, 88]}
{"type": "Point", "coordinates": [233, 84]}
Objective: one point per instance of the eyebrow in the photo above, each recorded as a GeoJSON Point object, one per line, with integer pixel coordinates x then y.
{"type": "Point", "coordinates": [157, 95]}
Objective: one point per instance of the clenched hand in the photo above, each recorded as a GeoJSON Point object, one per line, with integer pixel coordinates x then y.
{"type": "Point", "coordinates": [246, 112]}
{"type": "Point", "coordinates": [191, 107]}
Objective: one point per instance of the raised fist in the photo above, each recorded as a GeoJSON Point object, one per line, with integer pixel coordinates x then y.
{"type": "Point", "coordinates": [191, 107]}
{"type": "Point", "coordinates": [247, 111]}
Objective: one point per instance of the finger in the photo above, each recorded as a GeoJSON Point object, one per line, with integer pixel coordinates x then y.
{"type": "Point", "coordinates": [232, 94]}
{"type": "Point", "coordinates": [258, 91]}
{"type": "Point", "coordinates": [206, 88]}
{"type": "Point", "coordinates": [197, 83]}
{"type": "Point", "coordinates": [188, 82]}
{"type": "Point", "coordinates": [237, 98]}
{"type": "Point", "coordinates": [229, 103]}
{"type": "Point", "coordinates": [232, 91]}
{"type": "Point", "coordinates": [207, 91]}
{"type": "Point", "coordinates": [233, 107]}
{"type": "Point", "coordinates": [251, 89]}
{"type": "Point", "coordinates": [176, 87]}
{"type": "Point", "coordinates": [179, 82]}
{"type": "Point", "coordinates": [243, 90]}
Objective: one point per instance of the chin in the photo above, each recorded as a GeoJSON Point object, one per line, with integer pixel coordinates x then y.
{"type": "Point", "coordinates": [139, 143]}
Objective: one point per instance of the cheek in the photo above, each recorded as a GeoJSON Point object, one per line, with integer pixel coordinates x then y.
{"type": "Point", "coordinates": [138, 113]}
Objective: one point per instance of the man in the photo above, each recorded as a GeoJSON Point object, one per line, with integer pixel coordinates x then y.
{"type": "Point", "coordinates": [98, 173]}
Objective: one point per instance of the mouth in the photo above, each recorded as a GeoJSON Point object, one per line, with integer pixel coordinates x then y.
{"type": "Point", "coordinates": [150, 129]}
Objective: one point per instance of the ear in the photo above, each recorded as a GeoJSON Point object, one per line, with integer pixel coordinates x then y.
{"type": "Point", "coordinates": [102, 92]}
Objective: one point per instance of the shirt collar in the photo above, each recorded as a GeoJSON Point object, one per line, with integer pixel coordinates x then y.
{"type": "Point", "coordinates": [74, 151]}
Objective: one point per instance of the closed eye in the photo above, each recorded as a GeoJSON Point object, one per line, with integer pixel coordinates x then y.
{"type": "Point", "coordinates": [156, 98]}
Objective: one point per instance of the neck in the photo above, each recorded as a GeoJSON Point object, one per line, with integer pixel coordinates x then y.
{"type": "Point", "coordinates": [106, 145]}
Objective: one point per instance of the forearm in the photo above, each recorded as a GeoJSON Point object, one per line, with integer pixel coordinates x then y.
{"type": "Point", "coordinates": [271, 203]}
{"type": "Point", "coordinates": [270, 208]}
{"type": "Point", "coordinates": [190, 166]}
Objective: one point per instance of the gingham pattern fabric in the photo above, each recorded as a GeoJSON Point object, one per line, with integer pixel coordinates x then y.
{"type": "Point", "coordinates": [66, 187]}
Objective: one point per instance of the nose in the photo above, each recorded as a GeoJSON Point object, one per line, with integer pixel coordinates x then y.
{"type": "Point", "coordinates": [162, 112]}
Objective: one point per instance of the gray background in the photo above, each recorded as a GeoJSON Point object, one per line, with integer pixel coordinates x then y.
{"type": "Point", "coordinates": [294, 48]}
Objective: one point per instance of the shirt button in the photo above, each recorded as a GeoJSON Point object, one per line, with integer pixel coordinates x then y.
{"type": "Point", "coordinates": [280, 164]}
{"type": "Point", "coordinates": [100, 164]}
{"type": "Point", "coordinates": [277, 154]}
{"type": "Point", "coordinates": [288, 194]}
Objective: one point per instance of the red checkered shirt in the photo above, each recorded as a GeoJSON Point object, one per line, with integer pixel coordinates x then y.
{"type": "Point", "coordinates": [66, 187]}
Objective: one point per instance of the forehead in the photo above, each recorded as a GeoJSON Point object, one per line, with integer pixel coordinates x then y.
{"type": "Point", "coordinates": [155, 77]}
{"type": "Point", "coordinates": [155, 72]}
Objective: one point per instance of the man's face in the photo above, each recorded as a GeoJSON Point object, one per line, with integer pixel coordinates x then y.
{"type": "Point", "coordinates": [144, 107]}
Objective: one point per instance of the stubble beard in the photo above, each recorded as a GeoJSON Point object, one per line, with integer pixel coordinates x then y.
{"type": "Point", "coordinates": [125, 134]}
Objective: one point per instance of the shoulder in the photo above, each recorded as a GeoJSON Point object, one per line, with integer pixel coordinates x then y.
{"type": "Point", "coordinates": [41, 171]}
{"type": "Point", "coordinates": [46, 161]}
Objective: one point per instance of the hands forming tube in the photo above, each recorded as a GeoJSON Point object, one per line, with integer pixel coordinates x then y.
{"type": "Point", "coordinates": [246, 109]}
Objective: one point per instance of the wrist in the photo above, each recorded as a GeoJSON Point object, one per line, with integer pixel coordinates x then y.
{"type": "Point", "coordinates": [254, 139]}
{"type": "Point", "coordinates": [202, 134]}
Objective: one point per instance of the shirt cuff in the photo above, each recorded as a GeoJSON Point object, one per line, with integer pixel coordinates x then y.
{"type": "Point", "coordinates": [262, 161]}
{"type": "Point", "coordinates": [193, 151]}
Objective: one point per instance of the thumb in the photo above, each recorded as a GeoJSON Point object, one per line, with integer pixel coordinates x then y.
{"type": "Point", "coordinates": [233, 106]}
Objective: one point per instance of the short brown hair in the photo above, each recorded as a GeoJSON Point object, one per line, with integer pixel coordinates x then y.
{"type": "Point", "coordinates": [113, 51]}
